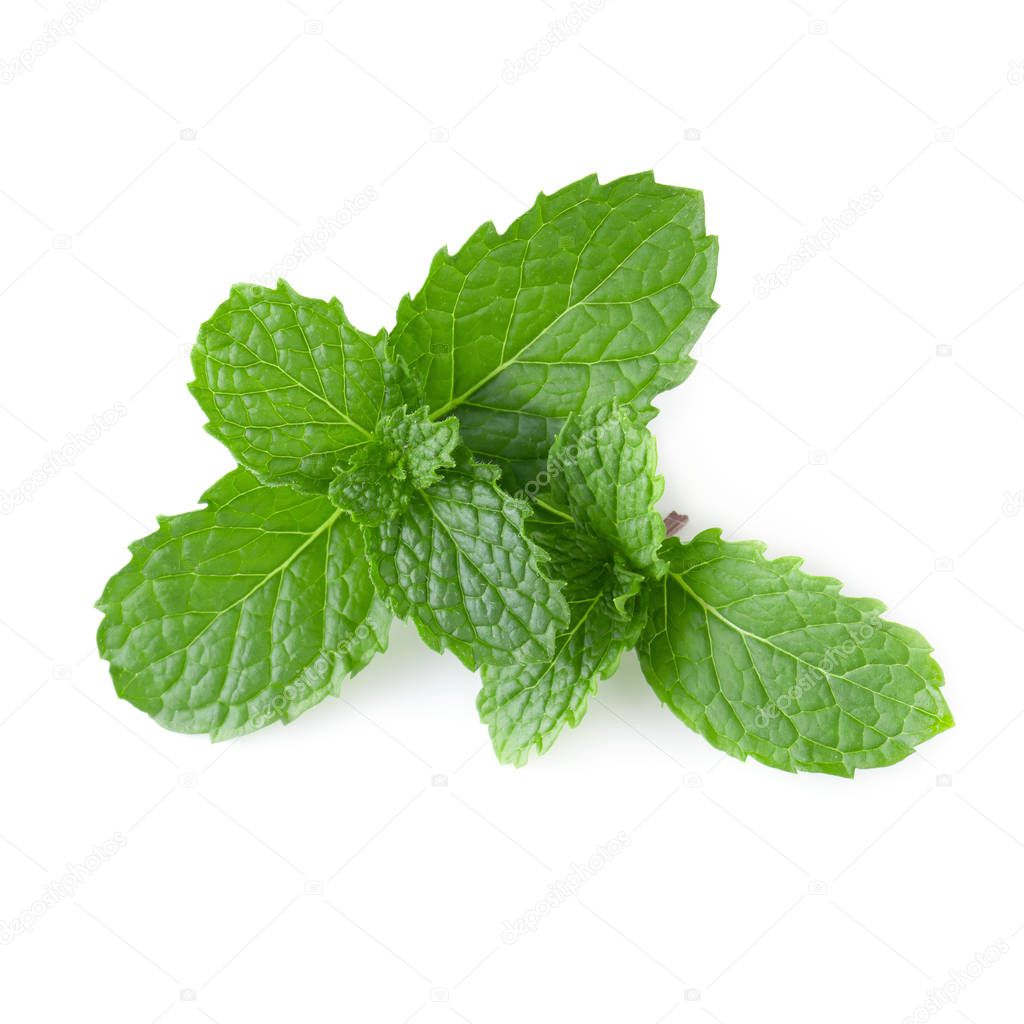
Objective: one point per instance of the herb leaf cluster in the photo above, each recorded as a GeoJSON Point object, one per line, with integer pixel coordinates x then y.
{"type": "Point", "coordinates": [485, 470]}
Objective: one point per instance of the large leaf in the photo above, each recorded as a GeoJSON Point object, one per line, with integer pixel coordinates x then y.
{"type": "Point", "coordinates": [289, 385]}
{"type": "Point", "coordinates": [597, 292]}
{"type": "Point", "coordinates": [762, 659]}
{"type": "Point", "coordinates": [459, 564]}
{"type": "Point", "coordinates": [250, 610]}
{"type": "Point", "coordinates": [525, 707]}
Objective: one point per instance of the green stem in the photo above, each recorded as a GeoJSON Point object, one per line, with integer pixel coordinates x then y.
{"type": "Point", "coordinates": [551, 508]}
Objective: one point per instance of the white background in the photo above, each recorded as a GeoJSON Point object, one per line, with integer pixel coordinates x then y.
{"type": "Point", "coordinates": [360, 864]}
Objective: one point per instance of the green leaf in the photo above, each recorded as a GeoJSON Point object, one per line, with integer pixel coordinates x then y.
{"type": "Point", "coordinates": [460, 565]}
{"type": "Point", "coordinates": [250, 610]}
{"type": "Point", "coordinates": [408, 453]}
{"type": "Point", "coordinates": [764, 660]}
{"type": "Point", "coordinates": [604, 465]}
{"type": "Point", "coordinates": [525, 707]}
{"type": "Point", "coordinates": [597, 292]}
{"type": "Point", "coordinates": [600, 530]}
{"type": "Point", "coordinates": [289, 385]}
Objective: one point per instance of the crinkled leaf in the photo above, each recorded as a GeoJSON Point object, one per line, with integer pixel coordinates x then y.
{"type": "Point", "coordinates": [250, 610]}
{"type": "Point", "coordinates": [426, 448]}
{"type": "Point", "coordinates": [598, 525]}
{"type": "Point", "coordinates": [597, 292]}
{"type": "Point", "coordinates": [604, 466]}
{"type": "Point", "coordinates": [525, 707]}
{"type": "Point", "coordinates": [288, 384]}
{"type": "Point", "coordinates": [369, 490]}
{"type": "Point", "coordinates": [767, 661]}
{"type": "Point", "coordinates": [409, 452]}
{"type": "Point", "coordinates": [459, 564]}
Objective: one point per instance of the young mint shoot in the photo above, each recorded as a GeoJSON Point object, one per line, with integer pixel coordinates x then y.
{"type": "Point", "coordinates": [485, 470]}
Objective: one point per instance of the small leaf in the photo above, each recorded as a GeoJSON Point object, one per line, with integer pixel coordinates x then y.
{"type": "Point", "coordinates": [597, 292]}
{"type": "Point", "coordinates": [289, 385]}
{"type": "Point", "coordinates": [408, 453]}
{"type": "Point", "coordinates": [460, 566]}
{"type": "Point", "coordinates": [604, 466]}
{"type": "Point", "coordinates": [526, 706]}
{"type": "Point", "coordinates": [764, 660]}
{"type": "Point", "coordinates": [250, 610]}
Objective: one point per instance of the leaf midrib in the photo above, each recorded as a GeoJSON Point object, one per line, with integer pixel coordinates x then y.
{"type": "Point", "coordinates": [345, 418]}
{"type": "Point", "coordinates": [462, 553]}
{"type": "Point", "coordinates": [550, 666]}
{"type": "Point", "coordinates": [505, 364]}
{"type": "Point", "coordinates": [326, 525]}
{"type": "Point", "coordinates": [711, 610]}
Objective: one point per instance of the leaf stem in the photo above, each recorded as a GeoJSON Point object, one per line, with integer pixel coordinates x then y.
{"type": "Point", "coordinates": [556, 511]}
{"type": "Point", "coordinates": [674, 522]}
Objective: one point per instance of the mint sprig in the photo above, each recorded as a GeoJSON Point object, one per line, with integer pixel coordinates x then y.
{"type": "Point", "coordinates": [598, 523]}
{"type": "Point", "coordinates": [375, 479]}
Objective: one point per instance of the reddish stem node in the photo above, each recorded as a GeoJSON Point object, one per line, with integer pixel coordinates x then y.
{"type": "Point", "coordinates": [674, 522]}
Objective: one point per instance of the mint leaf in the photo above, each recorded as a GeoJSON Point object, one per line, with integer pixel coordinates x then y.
{"type": "Point", "coordinates": [408, 453]}
{"type": "Point", "coordinates": [531, 356]}
{"type": "Point", "coordinates": [764, 660]}
{"type": "Point", "coordinates": [458, 563]}
{"type": "Point", "coordinates": [289, 385]}
{"type": "Point", "coordinates": [525, 707]}
{"type": "Point", "coordinates": [597, 292]}
{"type": "Point", "coordinates": [598, 525]}
{"type": "Point", "coordinates": [250, 610]}
{"type": "Point", "coordinates": [604, 466]}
